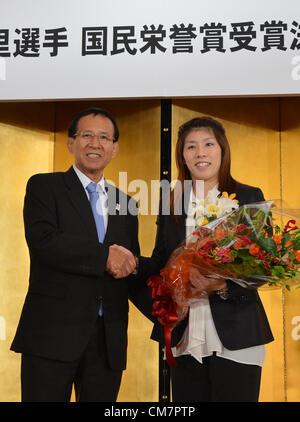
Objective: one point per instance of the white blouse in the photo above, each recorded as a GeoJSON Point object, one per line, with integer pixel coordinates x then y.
{"type": "Point", "coordinates": [200, 338]}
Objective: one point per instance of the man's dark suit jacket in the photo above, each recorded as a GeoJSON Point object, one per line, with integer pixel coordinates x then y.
{"type": "Point", "coordinates": [67, 270]}
{"type": "Point", "coordinates": [240, 320]}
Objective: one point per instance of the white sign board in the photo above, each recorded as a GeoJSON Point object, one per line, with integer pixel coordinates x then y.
{"type": "Point", "coordinates": [71, 49]}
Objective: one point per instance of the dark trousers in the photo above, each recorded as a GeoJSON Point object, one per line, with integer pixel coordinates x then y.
{"type": "Point", "coordinates": [47, 380]}
{"type": "Point", "coordinates": [215, 380]}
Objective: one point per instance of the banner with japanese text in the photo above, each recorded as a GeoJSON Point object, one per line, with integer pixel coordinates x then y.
{"type": "Point", "coordinates": [72, 49]}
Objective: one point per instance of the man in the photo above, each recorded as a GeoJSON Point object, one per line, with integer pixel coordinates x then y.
{"type": "Point", "coordinates": [73, 327]}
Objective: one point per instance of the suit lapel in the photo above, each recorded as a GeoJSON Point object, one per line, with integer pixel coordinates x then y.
{"type": "Point", "coordinates": [183, 216]}
{"type": "Point", "coordinates": [79, 199]}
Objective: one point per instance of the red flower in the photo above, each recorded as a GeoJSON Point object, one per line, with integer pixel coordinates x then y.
{"type": "Point", "coordinates": [211, 244]}
{"type": "Point", "coordinates": [245, 240]}
{"type": "Point", "coordinates": [224, 255]}
{"type": "Point", "coordinates": [219, 233]}
{"type": "Point", "coordinates": [263, 255]}
{"type": "Point", "coordinates": [254, 249]}
{"type": "Point", "coordinates": [240, 228]}
{"type": "Point", "coordinates": [202, 252]}
{"type": "Point", "coordinates": [238, 245]}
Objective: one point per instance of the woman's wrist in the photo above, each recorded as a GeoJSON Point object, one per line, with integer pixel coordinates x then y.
{"type": "Point", "coordinates": [223, 293]}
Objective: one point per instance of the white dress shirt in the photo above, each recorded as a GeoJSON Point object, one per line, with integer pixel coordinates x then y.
{"type": "Point", "coordinates": [100, 188]}
{"type": "Point", "coordinates": [200, 338]}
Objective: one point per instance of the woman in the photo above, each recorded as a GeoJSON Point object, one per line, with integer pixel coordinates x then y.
{"type": "Point", "coordinates": [219, 347]}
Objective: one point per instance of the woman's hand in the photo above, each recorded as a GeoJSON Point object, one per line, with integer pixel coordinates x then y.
{"type": "Point", "coordinates": [207, 284]}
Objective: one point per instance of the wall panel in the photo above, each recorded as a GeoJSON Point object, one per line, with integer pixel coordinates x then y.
{"type": "Point", "coordinates": [26, 142]}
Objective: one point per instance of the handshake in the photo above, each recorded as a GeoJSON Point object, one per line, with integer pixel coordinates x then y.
{"type": "Point", "coordinates": [120, 262]}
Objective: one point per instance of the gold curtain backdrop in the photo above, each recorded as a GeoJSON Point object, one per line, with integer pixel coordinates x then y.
{"type": "Point", "coordinates": [264, 137]}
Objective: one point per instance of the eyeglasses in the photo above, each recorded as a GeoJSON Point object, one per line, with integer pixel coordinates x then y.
{"type": "Point", "coordinates": [88, 135]}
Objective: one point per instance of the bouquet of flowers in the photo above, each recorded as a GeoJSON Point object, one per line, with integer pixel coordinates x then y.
{"type": "Point", "coordinates": [240, 246]}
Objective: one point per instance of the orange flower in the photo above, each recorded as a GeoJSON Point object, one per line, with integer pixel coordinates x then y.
{"type": "Point", "coordinates": [219, 233]}
{"type": "Point", "coordinates": [237, 245]}
{"type": "Point", "coordinates": [288, 244]}
{"type": "Point", "coordinates": [297, 255]}
{"type": "Point", "coordinates": [276, 238]}
{"type": "Point", "coordinates": [254, 249]}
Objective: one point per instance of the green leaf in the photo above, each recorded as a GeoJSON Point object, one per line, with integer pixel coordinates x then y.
{"type": "Point", "coordinates": [244, 254]}
{"type": "Point", "coordinates": [267, 244]}
{"type": "Point", "coordinates": [278, 271]}
{"type": "Point", "coordinates": [296, 243]}
{"type": "Point", "coordinates": [286, 237]}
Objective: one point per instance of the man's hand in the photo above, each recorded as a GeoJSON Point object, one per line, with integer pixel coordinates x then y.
{"type": "Point", "coordinates": [121, 262]}
{"type": "Point", "coordinates": [207, 284]}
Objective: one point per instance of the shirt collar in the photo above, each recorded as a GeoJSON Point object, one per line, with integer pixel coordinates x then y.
{"type": "Point", "coordinates": [193, 198]}
{"type": "Point", "coordinates": [86, 180]}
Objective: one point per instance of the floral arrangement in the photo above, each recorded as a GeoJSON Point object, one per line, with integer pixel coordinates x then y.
{"type": "Point", "coordinates": [241, 246]}
{"type": "Point", "coordinates": [251, 258]}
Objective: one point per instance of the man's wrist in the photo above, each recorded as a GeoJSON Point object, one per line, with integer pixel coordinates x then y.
{"type": "Point", "coordinates": [136, 266]}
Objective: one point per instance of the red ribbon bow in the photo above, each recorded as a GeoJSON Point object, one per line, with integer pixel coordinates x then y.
{"type": "Point", "coordinates": [165, 310]}
{"type": "Point", "coordinates": [290, 226]}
